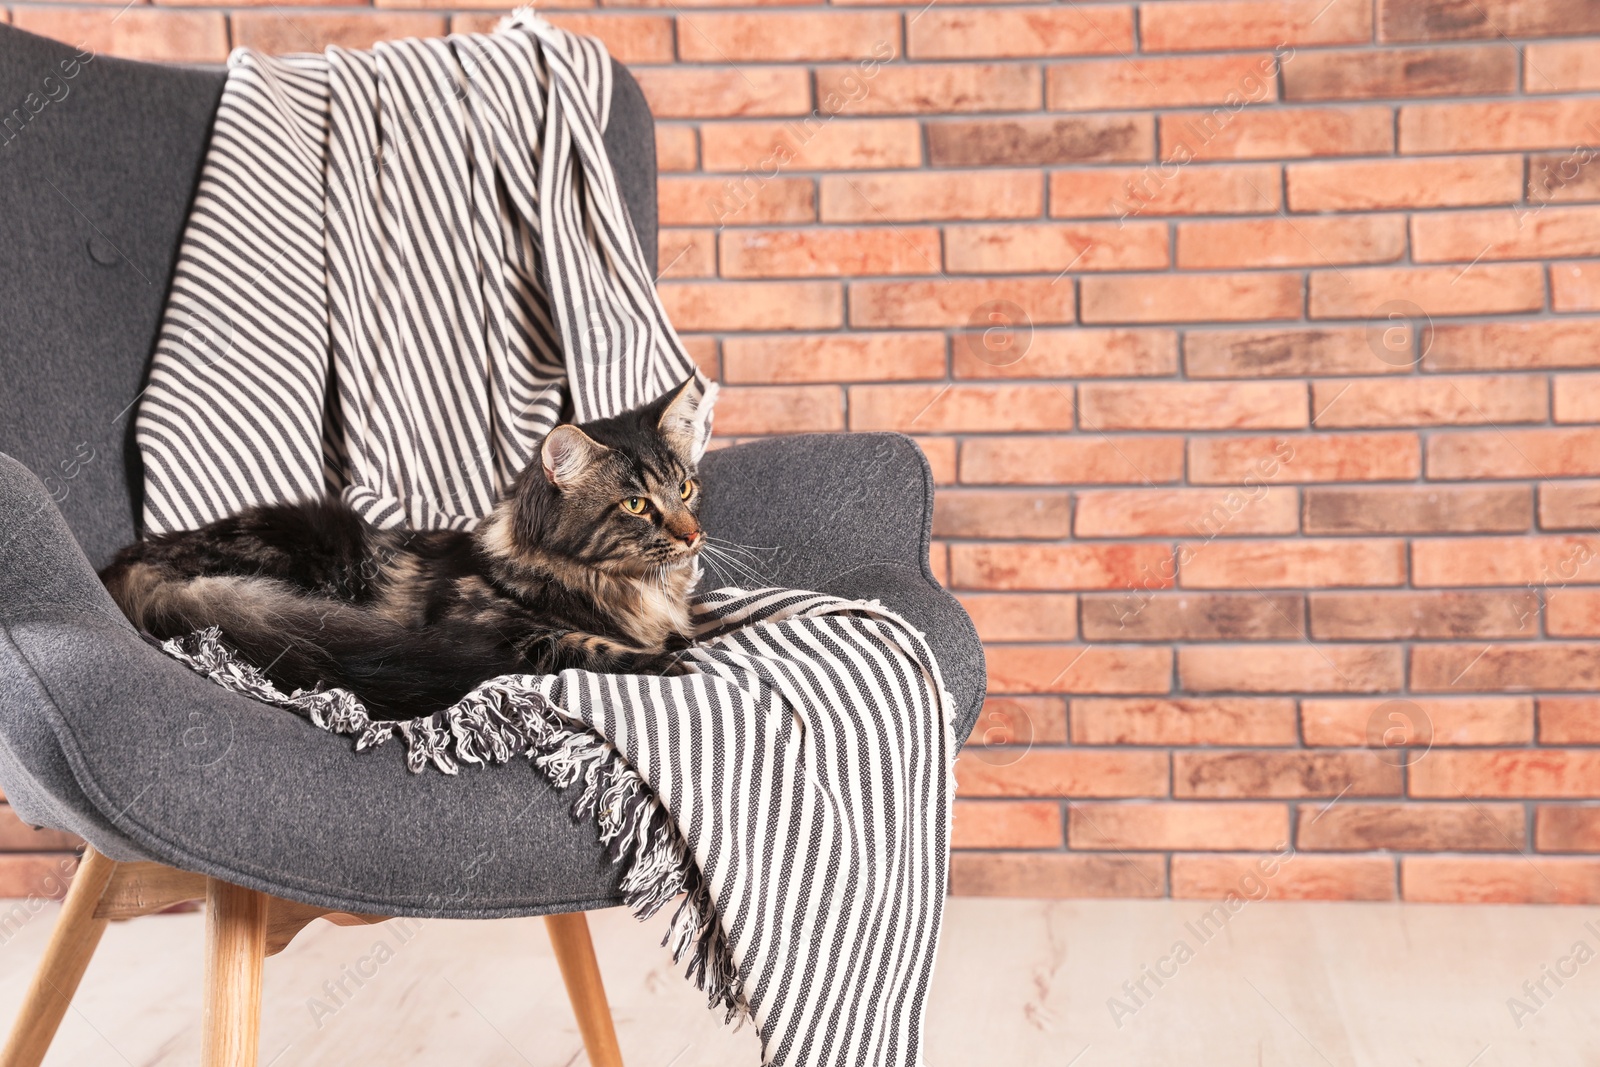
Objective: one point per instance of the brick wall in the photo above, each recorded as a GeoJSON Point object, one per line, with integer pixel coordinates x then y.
{"type": "Point", "coordinates": [1252, 343]}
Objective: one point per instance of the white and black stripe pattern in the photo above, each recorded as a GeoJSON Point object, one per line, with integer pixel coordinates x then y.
{"type": "Point", "coordinates": [400, 264]}
{"type": "Point", "coordinates": [794, 782]}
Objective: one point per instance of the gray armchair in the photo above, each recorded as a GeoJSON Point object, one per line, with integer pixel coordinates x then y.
{"type": "Point", "coordinates": [185, 791]}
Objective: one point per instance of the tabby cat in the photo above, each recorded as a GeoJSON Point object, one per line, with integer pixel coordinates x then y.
{"type": "Point", "coordinates": [587, 562]}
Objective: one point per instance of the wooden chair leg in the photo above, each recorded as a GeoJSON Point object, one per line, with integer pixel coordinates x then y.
{"type": "Point", "coordinates": [236, 945]}
{"type": "Point", "coordinates": [65, 959]}
{"type": "Point", "coordinates": [581, 972]}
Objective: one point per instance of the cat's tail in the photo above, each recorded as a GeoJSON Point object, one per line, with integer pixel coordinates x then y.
{"type": "Point", "coordinates": [302, 641]}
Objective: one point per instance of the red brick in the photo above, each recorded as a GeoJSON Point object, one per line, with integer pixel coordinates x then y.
{"type": "Point", "coordinates": [1499, 880]}
{"type": "Point", "coordinates": [1075, 669]}
{"type": "Point", "coordinates": [132, 33]}
{"type": "Point", "coordinates": [1559, 666]}
{"type": "Point", "coordinates": [1002, 513]}
{"type": "Point", "coordinates": [963, 408]}
{"type": "Point", "coordinates": [1417, 509]}
{"type": "Point", "coordinates": [812, 144]}
{"type": "Point", "coordinates": [1367, 73]}
{"type": "Point", "coordinates": [1053, 247]}
{"type": "Point", "coordinates": [503, 7]}
{"type": "Point", "coordinates": [1569, 720]}
{"type": "Point", "coordinates": [1343, 457]}
{"type": "Point", "coordinates": [1077, 352]}
{"type": "Point", "coordinates": [1482, 289]}
{"type": "Point", "coordinates": [703, 350]}
{"type": "Point", "coordinates": [1514, 345]}
{"type": "Point", "coordinates": [1150, 191]}
{"type": "Point", "coordinates": [1298, 877]}
{"type": "Point", "coordinates": [1059, 875]}
{"type": "Point", "coordinates": [686, 254]}
{"type": "Point", "coordinates": [956, 302]}
{"type": "Point", "coordinates": [1186, 512]}
{"type": "Point", "coordinates": [939, 562]}
{"type": "Point", "coordinates": [1429, 20]}
{"type": "Point", "coordinates": [1369, 616]}
{"type": "Point", "coordinates": [1286, 242]}
{"type": "Point", "coordinates": [1472, 720]}
{"type": "Point", "coordinates": [939, 33]}
{"type": "Point", "coordinates": [723, 92]}
{"type": "Point", "coordinates": [921, 88]}
{"type": "Point", "coordinates": [1288, 353]}
{"type": "Point", "coordinates": [941, 455]}
{"type": "Point", "coordinates": [1412, 828]}
{"type": "Point", "coordinates": [289, 31]}
{"type": "Point", "coordinates": [1569, 506]}
{"type": "Point", "coordinates": [771, 36]}
{"type": "Point", "coordinates": [1567, 612]}
{"type": "Point", "coordinates": [1007, 721]}
{"type": "Point", "coordinates": [1570, 175]}
{"type": "Point", "coordinates": [1567, 828]}
{"type": "Point", "coordinates": [630, 38]}
{"type": "Point", "coordinates": [1314, 562]}
{"type": "Point", "coordinates": [1431, 401]}
{"type": "Point", "coordinates": [1496, 127]}
{"type": "Point", "coordinates": [1193, 406]}
{"type": "Point", "coordinates": [1191, 298]}
{"type": "Point", "coordinates": [1006, 824]}
{"type": "Point", "coordinates": [1113, 84]}
{"type": "Point", "coordinates": [1146, 827]}
{"type": "Point", "coordinates": [1290, 668]}
{"type": "Point", "coordinates": [1077, 460]}
{"type": "Point", "coordinates": [676, 4]}
{"type": "Point", "coordinates": [1023, 617]}
{"type": "Point", "coordinates": [1554, 560]}
{"type": "Point", "coordinates": [740, 201]}
{"type": "Point", "coordinates": [779, 409]}
{"type": "Point", "coordinates": [1577, 398]}
{"type": "Point", "coordinates": [1222, 24]}
{"type": "Point", "coordinates": [1065, 567]}
{"type": "Point", "coordinates": [1140, 615]}
{"type": "Point", "coordinates": [1259, 773]}
{"type": "Point", "coordinates": [1562, 67]}
{"type": "Point", "coordinates": [829, 253]}
{"type": "Point", "coordinates": [1184, 721]}
{"type": "Point", "coordinates": [833, 357]}
{"type": "Point", "coordinates": [1044, 772]}
{"type": "Point", "coordinates": [1514, 453]}
{"type": "Point", "coordinates": [39, 875]}
{"type": "Point", "coordinates": [696, 306]}
{"type": "Point", "coordinates": [1007, 142]}
{"type": "Point", "coordinates": [18, 836]}
{"type": "Point", "coordinates": [1458, 181]}
{"type": "Point", "coordinates": [925, 197]}
{"type": "Point", "coordinates": [1277, 133]}
{"type": "Point", "coordinates": [1575, 287]}
{"type": "Point", "coordinates": [1549, 233]}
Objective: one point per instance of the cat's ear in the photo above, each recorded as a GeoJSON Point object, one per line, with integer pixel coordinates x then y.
{"type": "Point", "coordinates": [686, 417]}
{"type": "Point", "coordinates": [568, 454]}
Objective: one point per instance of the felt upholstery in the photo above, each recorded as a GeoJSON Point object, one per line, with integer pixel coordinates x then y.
{"type": "Point", "coordinates": [103, 735]}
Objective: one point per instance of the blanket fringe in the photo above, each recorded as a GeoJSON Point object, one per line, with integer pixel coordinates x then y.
{"type": "Point", "coordinates": [509, 717]}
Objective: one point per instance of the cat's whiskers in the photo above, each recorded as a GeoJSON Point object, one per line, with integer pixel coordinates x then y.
{"type": "Point", "coordinates": [736, 567]}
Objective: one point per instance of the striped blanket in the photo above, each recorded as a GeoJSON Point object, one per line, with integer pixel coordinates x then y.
{"type": "Point", "coordinates": [402, 267]}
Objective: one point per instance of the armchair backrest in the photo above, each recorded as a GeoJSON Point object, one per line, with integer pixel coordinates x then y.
{"type": "Point", "coordinates": [98, 162]}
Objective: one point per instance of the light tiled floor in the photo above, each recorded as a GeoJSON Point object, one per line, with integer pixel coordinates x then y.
{"type": "Point", "coordinates": [1018, 983]}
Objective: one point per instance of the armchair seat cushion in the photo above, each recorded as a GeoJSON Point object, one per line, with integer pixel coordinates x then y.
{"type": "Point", "coordinates": [103, 735]}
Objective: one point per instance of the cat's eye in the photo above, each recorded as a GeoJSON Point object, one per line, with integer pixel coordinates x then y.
{"type": "Point", "coordinates": [686, 490]}
{"type": "Point", "coordinates": [634, 505]}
